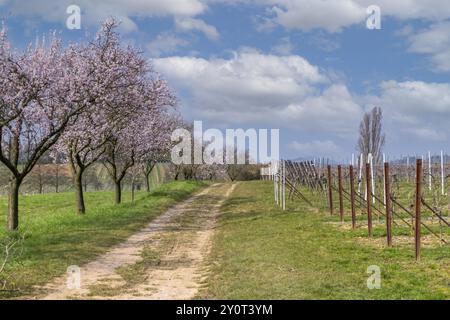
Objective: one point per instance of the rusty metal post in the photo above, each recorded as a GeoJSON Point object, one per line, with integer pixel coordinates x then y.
{"type": "Point", "coordinates": [419, 176]}
{"type": "Point", "coordinates": [352, 196]}
{"type": "Point", "coordinates": [387, 192]}
{"type": "Point", "coordinates": [330, 190]}
{"type": "Point", "coordinates": [341, 196]}
{"type": "Point", "coordinates": [369, 198]}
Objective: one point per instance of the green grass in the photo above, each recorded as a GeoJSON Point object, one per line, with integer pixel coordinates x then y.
{"type": "Point", "coordinates": [57, 237]}
{"type": "Point", "coordinates": [261, 252]}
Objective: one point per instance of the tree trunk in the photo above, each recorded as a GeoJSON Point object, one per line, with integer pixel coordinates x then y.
{"type": "Point", "coordinates": [13, 205]}
{"type": "Point", "coordinates": [78, 183]}
{"type": "Point", "coordinates": [132, 191]}
{"type": "Point", "coordinates": [147, 182]}
{"type": "Point", "coordinates": [118, 192]}
{"type": "Point", "coordinates": [40, 184]}
{"type": "Point", "coordinates": [148, 170]}
{"type": "Point", "coordinates": [57, 179]}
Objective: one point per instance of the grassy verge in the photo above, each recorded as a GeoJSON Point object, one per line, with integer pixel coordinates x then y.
{"type": "Point", "coordinates": [261, 252]}
{"type": "Point", "coordinates": [57, 237]}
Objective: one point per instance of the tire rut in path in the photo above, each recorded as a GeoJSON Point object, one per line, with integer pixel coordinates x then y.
{"type": "Point", "coordinates": [188, 227]}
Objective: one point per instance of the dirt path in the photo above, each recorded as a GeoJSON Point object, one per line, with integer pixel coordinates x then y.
{"type": "Point", "coordinates": [165, 260]}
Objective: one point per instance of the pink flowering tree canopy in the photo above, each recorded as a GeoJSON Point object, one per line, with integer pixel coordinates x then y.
{"type": "Point", "coordinates": [41, 91]}
{"type": "Point", "coordinates": [96, 102]}
{"type": "Point", "coordinates": [117, 75]}
{"type": "Point", "coordinates": [145, 132]}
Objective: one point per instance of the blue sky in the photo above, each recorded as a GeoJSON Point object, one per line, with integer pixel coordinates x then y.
{"type": "Point", "coordinates": [308, 67]}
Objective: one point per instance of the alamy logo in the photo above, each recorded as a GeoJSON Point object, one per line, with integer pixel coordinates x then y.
{"type": "Point", "coordinates": [374, 18]}
{"type": "Point", "coordinates": [73, 278]}
{"type": "Point", "coordinates": [210, 147]}
{"type": "Point", "coordinates": [374, 280]}
{"type": "Point", "coordinates": [73, 22]}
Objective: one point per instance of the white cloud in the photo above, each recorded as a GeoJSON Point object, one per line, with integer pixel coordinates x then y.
{"type": "Point", "coordinates": [431, 10]}
{"type": "Point", "coordinates": [252, 87]}
{"type": "Point", "coordinates": [95, 11]}
{"type": "Point", "coordinates": [165, 43]}
{"type": "Point", "coordinates": [334, 110]}
{"type": "Point", "coordinates": [416, 98]}
{"type": "Point", "coordinates": [434, 41]}
{"type": "Point", "coordinates": [247, 75]}
{"type": "Point", "coordinates": [315, 148]}
{"type": "Point", "coordinates": [331, 15]}
{"type": "Point", "coordinates": [190, 24]}
{"type": "Point", "coordinates": [335, 15]}
{"type": "Point", "coordinates": [415, 108]}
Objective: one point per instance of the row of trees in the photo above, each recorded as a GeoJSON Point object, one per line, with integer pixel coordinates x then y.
{"type": "Point", "coordinates": [47, 177]}
{"type": "Point", "coordinates": [95, 102]}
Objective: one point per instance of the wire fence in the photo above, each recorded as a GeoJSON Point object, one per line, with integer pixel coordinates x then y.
{"type": "Point", "coordinates": [409, 199]}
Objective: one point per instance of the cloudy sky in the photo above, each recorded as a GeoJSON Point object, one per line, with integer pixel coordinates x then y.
{"type": "Point", "coordinates": [308, 67]}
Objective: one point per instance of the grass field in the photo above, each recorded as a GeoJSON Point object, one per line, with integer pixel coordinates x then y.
{"type": "Point", "coordinates": [261, 252]}
{"type": "Point", "coordinates": [56, 237]}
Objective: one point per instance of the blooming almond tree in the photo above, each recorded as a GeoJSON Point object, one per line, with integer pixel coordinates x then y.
{"type": "Point", "coordinates": [160, 144]}
{"type": "Point", "coordinates": [143, 133]}
{"type": "Point", "coordinates": [37, 102]}
{"type": "Point", "coordinates": [117, 75]}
